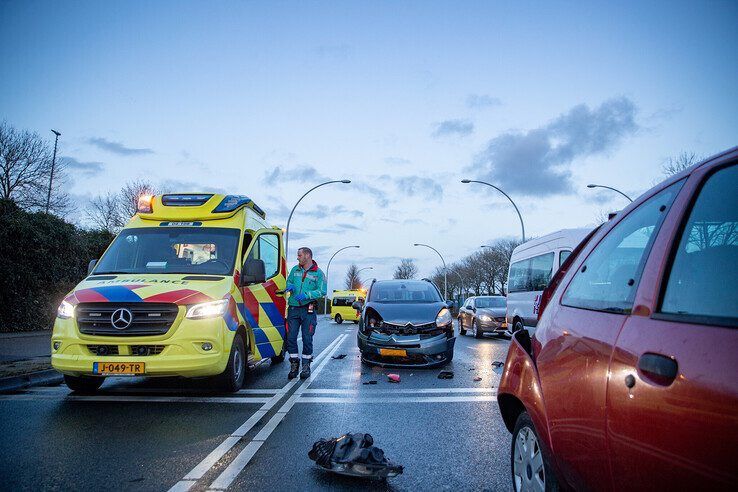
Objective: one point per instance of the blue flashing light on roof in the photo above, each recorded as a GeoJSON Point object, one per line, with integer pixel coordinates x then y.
{"type": "Point", "coordinates": [233, 202]}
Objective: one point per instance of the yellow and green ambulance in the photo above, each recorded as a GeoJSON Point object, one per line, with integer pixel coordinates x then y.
{"type": "Point", "coordinates": [191, 287]}
{"type": "Point", "coordinates": [341, 309]}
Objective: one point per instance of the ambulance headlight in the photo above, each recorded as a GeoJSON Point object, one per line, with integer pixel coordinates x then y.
{"type": "Point", "coordinates": [65, 310]}
{"type": "Point", "coordinates": [444, 317]}
{"type": "Point", "coordinates": [204, 310]}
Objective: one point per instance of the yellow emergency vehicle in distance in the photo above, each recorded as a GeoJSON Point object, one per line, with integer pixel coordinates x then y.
{"type": "Point", "coordinates": [191, 286]}
{"type": "Point", "coordinates": [341, 309]}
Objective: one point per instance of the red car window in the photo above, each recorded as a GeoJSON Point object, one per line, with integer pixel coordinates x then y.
{"type": "Point", "coordinates": [608, 279]}
{"type": "Point", "coordinates": [700, 286]}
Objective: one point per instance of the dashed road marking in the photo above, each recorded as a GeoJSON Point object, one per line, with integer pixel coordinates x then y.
{"type": "Point", "coordinates": [400, 399]}
{"type": "Point", "coordinates": [344, 391]}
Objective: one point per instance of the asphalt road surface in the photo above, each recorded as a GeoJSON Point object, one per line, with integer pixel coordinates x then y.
{"type": "Point", "coordinates": [177, 434]}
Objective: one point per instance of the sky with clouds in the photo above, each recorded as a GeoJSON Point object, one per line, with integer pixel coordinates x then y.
{"type": "Point", "coordinates": [403, 98]}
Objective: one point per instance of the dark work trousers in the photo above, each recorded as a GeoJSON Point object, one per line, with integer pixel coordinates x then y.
{"type": "Point", "coordinates": [297, 318]}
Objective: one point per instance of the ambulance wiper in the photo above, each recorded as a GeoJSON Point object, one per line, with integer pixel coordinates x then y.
{"type": "Point", "coordinates": [111, 272]}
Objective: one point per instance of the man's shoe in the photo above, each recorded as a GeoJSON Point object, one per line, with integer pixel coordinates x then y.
{"type": "Point", "coordinates": [305, 368]}
{"type": "Point", "coordinates": [294, 367]}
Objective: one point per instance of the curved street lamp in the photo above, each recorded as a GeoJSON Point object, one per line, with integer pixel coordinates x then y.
{"type": "Point", "coordinates": [327, 269]}
{"type": "Point", "coordinates": [610, 188]}
{"type": "Point", "coordinates": [361, 270]}
{"type": "Point", "coordinates": [445, 270]}
{"type": "Point", "coordinates": [461, 280]}
{"type": "Point", "coordinates": [289, 219]}
{"type": "Point", "coordinates": [522, 226]}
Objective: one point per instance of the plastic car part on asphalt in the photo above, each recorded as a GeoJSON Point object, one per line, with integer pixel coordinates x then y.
{"type": "Point", "coordinates": [393, 378]}
{"type": "Point", "coordinates": [446, 375]}
{"type": "Point", "coordinates": [339, 356]}
{"type": "Point", "coordinates": [353, 455]}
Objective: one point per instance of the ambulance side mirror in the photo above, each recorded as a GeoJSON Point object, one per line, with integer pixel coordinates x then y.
{"type": "Point", "coordinates": [91, 266]}
{"type": "Point", "coordinates": [253, 272]}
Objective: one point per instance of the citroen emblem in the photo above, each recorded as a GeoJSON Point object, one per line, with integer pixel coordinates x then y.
{"type": "Point", "coordinates": [121, 318]}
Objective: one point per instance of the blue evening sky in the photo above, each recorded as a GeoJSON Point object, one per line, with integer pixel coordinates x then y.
{"type": "Point", "coordinates": [404, 98]}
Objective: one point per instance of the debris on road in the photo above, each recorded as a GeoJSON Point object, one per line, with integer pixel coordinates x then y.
{"type": "Point", "coordinates": [393, 378]}
{"type": "Point", "coordinates": [373, 381]}
{"type": "Point", "coordinates": [477, 379]}
{"type": "Point", "coordinates": [339, 356]}
{"type": "Point", "coordinates": [446, 375]}
{"type": "Point", "coordinates": [497, 363]}
{"type": "Point", "coordinates": [353, 455]}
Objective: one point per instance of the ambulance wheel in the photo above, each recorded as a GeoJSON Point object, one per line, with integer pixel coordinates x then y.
{"type": "Point", "coordinates": [339, 319]}
{"type": "Point", "coordinates": [231, 380]}
{"type": "Point", "coordinates": [278, 359]}
{"type": "Point", "coordinates": [83, 384]}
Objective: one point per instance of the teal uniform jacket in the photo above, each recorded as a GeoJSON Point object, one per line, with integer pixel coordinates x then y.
{"type": "Point", "coordinates": [310, 282]}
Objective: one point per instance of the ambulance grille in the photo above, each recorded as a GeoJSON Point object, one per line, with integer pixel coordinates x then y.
{"type": "Point", "coordinates": [94, 318]}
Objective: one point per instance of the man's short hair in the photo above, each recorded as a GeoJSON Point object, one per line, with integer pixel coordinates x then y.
{"type": "Point", "coordinates": [306, 250]}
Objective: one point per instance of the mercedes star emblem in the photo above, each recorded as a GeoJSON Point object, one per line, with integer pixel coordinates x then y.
{"type": "Point", "coordinates": [121, 318]}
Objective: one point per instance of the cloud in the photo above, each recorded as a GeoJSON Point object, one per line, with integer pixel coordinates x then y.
{"type": "Point", "coordinates": [480, 101]}
{"type": "Point", "coordinates": [380, 196]}
{"type": "Point", "coordinates": [348, 226]}
{"type": "Point", "coordinates": [304, 173]}
{"type": "Point", "coordinates": [418, 185]}
{"type": "Point", "coordinates": [459, 128]}
{"type": "Point", "coordinates": [177, 186]}
{"type": "Point", "coordinates": [117, 147]}
{"type": "Point", "coordinates": [538, 161]}
{"type": "Point", "coordinates": [86, 168]}
{"type": "Point", "coordinates": [396, 161]}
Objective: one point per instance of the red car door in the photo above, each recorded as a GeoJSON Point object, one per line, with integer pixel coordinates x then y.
{"type": "Point", "coordinates": [577, 338]}
{"type": "Point", "coordinates": [673, 388]}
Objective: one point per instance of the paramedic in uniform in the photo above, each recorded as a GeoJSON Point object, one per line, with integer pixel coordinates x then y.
{"type": "Point", "coordinates": [306, 283]}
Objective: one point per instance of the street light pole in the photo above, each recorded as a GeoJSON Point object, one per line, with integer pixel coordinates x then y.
{"type": "Point", "coordinates": [522, 226]}
{"type": "Point", "coordinates": [361, 270]}
{"type": "Point", "coordinates": [289, 219]}
{"type": "Point", "coordinates": [327, 269]}
{"type": "Point", "coordinates": [610, 188]}
{"type": "Point", "coordinates": [461, 281]}
{"type": "Point", "coordinates": [51, 176]}
{"type": "Point", "coordinates": [445, 270]}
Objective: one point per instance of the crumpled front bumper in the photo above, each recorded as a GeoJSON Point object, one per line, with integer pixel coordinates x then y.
{"type": "Point", "coordinates": [421, 351]}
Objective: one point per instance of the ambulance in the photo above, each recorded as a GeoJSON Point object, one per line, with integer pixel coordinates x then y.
{"type": "Point", "coordinates": [191, 286]}
{"type": "Point", "coordinates": [341, 309]}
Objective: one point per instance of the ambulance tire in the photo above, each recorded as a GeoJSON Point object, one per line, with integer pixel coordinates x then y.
{"type": "Point", "coordinates": [83, 384]}
{"type": "Point", "coordinates": [278, 359]}
{"type": "Point", "coordinates": [338, 319]}
{"type": "Point", "coordinates": [231, 380]}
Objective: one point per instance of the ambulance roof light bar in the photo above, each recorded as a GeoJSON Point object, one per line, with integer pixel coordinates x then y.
{"type": "Point", "coordinates": [233, 202]}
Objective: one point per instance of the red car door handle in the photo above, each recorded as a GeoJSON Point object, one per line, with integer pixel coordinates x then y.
{"type": "Point", "coordinates": [658, 368]}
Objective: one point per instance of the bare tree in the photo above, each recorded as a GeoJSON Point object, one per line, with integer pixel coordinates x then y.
{"type": "Point", "coordinates": [104, 212]}
{"type": "Point", "coordinates": [25, 168]}
{"type": "Point", "coordinates": [684, 160]}
{"type": "Point", "coordinates": [352, 280]}
{"type": "Point", "coordinates": [406, 269]}
{"type": "Point", "coordinates": [130, 193]}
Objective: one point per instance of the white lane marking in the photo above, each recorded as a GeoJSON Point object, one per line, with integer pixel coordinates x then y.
{"type": "Point", "coordinates": [226, 478]}
{"type": "Point", "coordinates": [211, 459]}
{"type": "Point", "coordinates": [157, 391]}
{"type": "Point", "coordinates": [148, 399]}
{"type": "Point", "coordinates": [343, 391]}
{"type": "Point", "coordinates": [401, 399]}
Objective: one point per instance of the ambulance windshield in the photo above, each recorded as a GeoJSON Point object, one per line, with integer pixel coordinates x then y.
{"type": "Point", "coordinates": [188, 250]}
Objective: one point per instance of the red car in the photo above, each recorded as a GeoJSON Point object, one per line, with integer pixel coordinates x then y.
{"type": "Point", "coordinates": [631, 379]}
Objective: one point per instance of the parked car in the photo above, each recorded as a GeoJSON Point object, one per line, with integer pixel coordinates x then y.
{"type": "Point", "coordinates": [405, 322]}
{"type": "Point", "coordinates": [629, 382]}
{"type": "Point", "coordinates": [531, 266]}
{"type": "Point", "coordinates": [483, 314]}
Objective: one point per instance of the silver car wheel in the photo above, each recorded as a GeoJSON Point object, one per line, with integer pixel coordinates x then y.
{"type": "Point", "coordinates": [237, 365]}
{"type": "Point", "coordinates": [528, 470]}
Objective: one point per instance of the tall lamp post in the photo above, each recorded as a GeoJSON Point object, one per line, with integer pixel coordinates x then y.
{"type": "Point", "coordinates": [522, 226]}
{"type": "Point", "coordinates": [610, 188]}
{"type": "Point", "coordinates": [361, 270]}
{"type": "Point", "coordinates": [51, 176]}
{"type": "Point", "coordinates": [461, 281]}
{"type": "Point", "coordinates": [327, 269]}
{"type": "Point", "coordinates": [445, 270]}
{"type": "Point", "coordinates": [289, 219]}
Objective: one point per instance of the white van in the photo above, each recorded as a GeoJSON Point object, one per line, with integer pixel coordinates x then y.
{"type": "Point", "coordinates": [532, 265]}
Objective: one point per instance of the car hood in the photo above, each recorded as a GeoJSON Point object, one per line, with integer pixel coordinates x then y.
{"type": "Point", "coordinates": [177, 289]}
{"type": "Point", "coordinates": [401, 314]}
{"type": "Point", "coordinates": [494, 312]}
